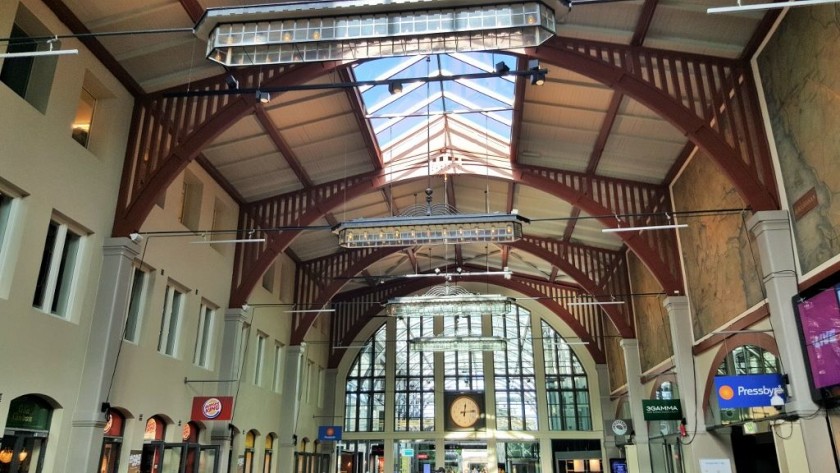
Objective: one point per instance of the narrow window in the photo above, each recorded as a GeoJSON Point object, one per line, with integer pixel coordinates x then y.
{"type": "Point", "coordinates": [58, 269]}
{"type": "Point", "coordinates": [84, 118]}
{"type": "Point", "coordinates": [136, 305]}
{"type": "Point", "coordinates": [204, 336]}
{"type": "Point", "coordinates": [170, 321]}
{"type": "Point", "coordinates": [279, 359]}
{"type": "Point", "coordinates": [258, 364]}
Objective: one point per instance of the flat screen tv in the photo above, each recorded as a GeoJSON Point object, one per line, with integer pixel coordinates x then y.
{"type": "Point", "coordinates": [818, 317]}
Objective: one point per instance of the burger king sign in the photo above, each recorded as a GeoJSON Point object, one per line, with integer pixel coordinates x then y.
{"type": "Point", "coordinates": [206, 408]}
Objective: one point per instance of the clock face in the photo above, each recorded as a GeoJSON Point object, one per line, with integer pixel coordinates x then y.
{"type": "Point", "coordinates": [464, 411]}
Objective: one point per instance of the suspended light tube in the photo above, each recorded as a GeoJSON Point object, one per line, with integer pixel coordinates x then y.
{"type": "Point", "coordinates": [244, 240]}
{"type": "Point", "coordinates": [585, 303]}
{"type": "Point", "coordinates": [57, 52]}
{"type": "Point", "coordinates": [308, 311]}
{"type": "Point", "coordinates": [642, 228]}
{"type": "Point", "coordinates": [767, 6]}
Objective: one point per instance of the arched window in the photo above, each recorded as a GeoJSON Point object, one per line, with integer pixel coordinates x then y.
{"type": "Point", "coordinates": [250, 441]}
{"type": "Point", "coordinates": [364, 397]}
{"type": "Point", "coordinates": [743, 360]}
{"type": "Point", "coordinates": [269, 451]}
{"type": "Point", "coordinates": [29, 421]}
{"type": "Point", "coordinates": [515, 382]}
{"type": "Point", "coordinates": [111, 442]}
{"type": "Point", "coordinates": [566, 385]}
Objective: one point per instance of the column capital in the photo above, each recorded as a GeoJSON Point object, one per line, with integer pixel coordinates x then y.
{"type": "Point", "coordinates": [674, 303]}
{"type": "Point", "coordinates": [236, 315]}
{"type": "Point", "coordinates": [629, 343]}
{"type": "Point", "coordinates": [769, 220]}
{"type": "Point", "coordinates": [117, 246]}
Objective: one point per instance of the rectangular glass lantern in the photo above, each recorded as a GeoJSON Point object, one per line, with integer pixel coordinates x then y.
{"type": "Point", "coordinates": [439, 306]}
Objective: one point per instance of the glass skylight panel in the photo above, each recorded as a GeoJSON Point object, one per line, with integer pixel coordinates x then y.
{"type": "Point", "coordinates": [466, 118]}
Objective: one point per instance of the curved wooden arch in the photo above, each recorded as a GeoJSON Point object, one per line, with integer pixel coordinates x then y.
{"type": "Point", "coordinates": [623, 69]}
{"type": "Point", "coordinates": [359, 260]}
{"type": "Point", "coordinates": [515, 283]}
{"type": "Point", "coordinates": [761, 340]}
{"type": "Point", "coordinates": [138, 197]}
{"type": "Point", "coordinates": [329, 196]}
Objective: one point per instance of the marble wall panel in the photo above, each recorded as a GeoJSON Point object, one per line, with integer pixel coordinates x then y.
{"type": "Point", "coordinates": [722, 269]}
{"type": "Point", "coordinates": [652, 328]}
{"type": "Point", "coordinates": [800, 74]}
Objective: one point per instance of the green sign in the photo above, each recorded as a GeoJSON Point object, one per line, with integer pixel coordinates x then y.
{"type": "Point", "coordinates": [662, 409]}
{"type": "Point", "coordinates": [29, 412]}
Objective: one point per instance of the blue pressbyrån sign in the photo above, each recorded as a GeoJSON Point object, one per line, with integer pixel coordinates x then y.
{"type": "Point", "coordinates": [750, 390]}
{"type": "Point", "coordinates": [329, 433]}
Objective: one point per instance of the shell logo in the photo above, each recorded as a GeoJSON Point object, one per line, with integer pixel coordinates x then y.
{"type": "Point", "coordinates": [726, 392]}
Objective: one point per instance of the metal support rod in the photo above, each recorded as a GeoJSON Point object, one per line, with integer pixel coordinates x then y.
{"type": "Point", "coordinates": [209, 380]}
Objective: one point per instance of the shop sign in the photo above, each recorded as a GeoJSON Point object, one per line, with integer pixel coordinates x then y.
{"type": "Point", "coordinates": [329, 433]}
{"type": "Point", "coordinates": [618, 426]}
{"type": "Point", "coordinates": [408, 452]}
{"type": "Point", "coordinates": [206, 408]}
{"type": "Point", "coordinates": [661, 409]}
{"type": "Point", "coordinates": [750, 390]}
{"type": "Point", "coordinates": [28, 413]}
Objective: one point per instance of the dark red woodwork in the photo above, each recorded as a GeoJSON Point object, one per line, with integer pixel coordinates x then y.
{"type": "Point", "coordinates": [707, 98]}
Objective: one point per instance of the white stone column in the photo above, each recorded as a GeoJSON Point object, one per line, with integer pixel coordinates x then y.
{"type": "Point", "coordinates": [607, 413]}
{"type": "Point", "coordinates": [295, 364]}
{"type": "Point", "coordinates": [105, 336]}
{"type": "Point", "coordinates": [808, 447]}
{"type": "Point", "coordinates": [633, 367]}
{"type": "Point", "coordinates": [699, 443]}
{"type": "Point", "coordinates": [234, 337]}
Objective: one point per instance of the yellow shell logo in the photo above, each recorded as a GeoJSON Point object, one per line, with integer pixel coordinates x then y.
{"type": "Point", "coordinates": [726, 393]}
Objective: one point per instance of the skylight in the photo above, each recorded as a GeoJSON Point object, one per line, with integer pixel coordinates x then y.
{"type": "Point", "coordinates": [463, 126]}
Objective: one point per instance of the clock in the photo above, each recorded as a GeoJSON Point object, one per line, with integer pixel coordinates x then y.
{"type": "Point", "coordinates": [465, 411]}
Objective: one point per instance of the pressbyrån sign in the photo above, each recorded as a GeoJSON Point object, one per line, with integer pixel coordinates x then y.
{"type": "Point", "coordinates": [749, 390]}
{"type": "Point", "coordinates": [661, 409]}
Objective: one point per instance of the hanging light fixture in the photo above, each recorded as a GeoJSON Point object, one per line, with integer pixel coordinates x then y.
{"type": "Point", "coordinates": [6, 455]}
{"type": "Point", "coordinates": [448, 300]}
{"type": "Point", "coordinates": [310, 31]}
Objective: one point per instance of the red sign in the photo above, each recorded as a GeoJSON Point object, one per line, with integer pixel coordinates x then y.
{"type": "Point", "coordinates": [212, 408]}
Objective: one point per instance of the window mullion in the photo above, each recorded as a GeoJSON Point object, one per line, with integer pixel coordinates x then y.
{"type": "Point", "coordinates": [55, 263]}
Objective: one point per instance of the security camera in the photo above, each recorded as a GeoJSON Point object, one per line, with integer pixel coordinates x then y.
{"type": "Point", "coordinates": [777, 400]}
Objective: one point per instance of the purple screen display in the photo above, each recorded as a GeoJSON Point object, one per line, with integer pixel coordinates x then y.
{"type": "Point", "coordinates": [820, 319]}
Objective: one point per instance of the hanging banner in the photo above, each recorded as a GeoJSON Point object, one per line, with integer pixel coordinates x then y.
{"type": "Point", "coordinates": [750, 390]}
{"type": "Point", "coordinates": [329, 433]}
{"type": "Point", "coordinates": [661, 409]}
{"type": "Point", "coordinates": [206, 408]}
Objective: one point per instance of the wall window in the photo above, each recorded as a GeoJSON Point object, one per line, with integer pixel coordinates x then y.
{"type": "Point", "coordinates": [566, 384]}
{"type": "Point", "coordinates": [364, 398]}
{"type": "Point", "coordinates": [8, 202]}
{"type": "Point", "coordinates": [84, 118]}
{"type": "Point", "coordinates": [745, 360]}
{"type": "Point", "coordinates": [268, 278]}
{"type": "Point", "coordinates": [170, 322]}
{"type": "Point", "coordinates": [30, 77]}
{"type": "Point", "coordinates": [322, 377]}
{"type": "Point", "coordinates": [269, 450]}
{"type": "Point", "coordinates": [259, 362]}
{"type": "Point", "coordinates": [191, 191]}
{"type": "Point", "coordinates": [414, 395]}
{"type": "Point", "coordinates": [136, 305]}
{"type": "Point", "coordinates": [462, 370]}
{"type": "Point", "coordinates": [279, 360]}
{"type": "Point", "coordinates": [220, 224]}
{"type": "Point", "coordinates": [250, 441]}
{"type": "Point", "coordinates": [5, 217]}
{"type": "Point", "coordinates": [204, 335]}
{"type": "Point", "coordinates": [58, 269]}
{"type": "Point", "coordinates": [515, 380]}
